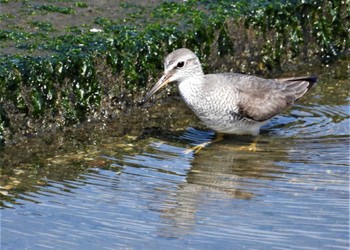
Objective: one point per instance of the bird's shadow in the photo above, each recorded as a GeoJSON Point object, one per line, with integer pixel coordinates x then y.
{"type": "Point", "coordinates": [194, 136]}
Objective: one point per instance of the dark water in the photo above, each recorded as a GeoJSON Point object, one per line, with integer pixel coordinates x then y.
{"type": "Point", "coordinates": [148, 192]}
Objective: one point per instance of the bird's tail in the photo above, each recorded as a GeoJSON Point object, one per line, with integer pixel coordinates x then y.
{"type": "Point", "coordinates": [299, 85]}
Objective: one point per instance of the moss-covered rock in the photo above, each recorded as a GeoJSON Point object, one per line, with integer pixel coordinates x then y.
{"type": "Point", "coordinates": [53, 75]}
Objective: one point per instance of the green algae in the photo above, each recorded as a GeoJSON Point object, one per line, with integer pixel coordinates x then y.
{"type": "Point", "coordinates": [54, 8]}
{"type": "Point", "coordinates": [299, 25]}
{"type": "Point", "coordinates": [58, 81]}
{"type": "Point", "coordinates": [81, 5]}
{"type": "Point", "coordinates": [43, 26]}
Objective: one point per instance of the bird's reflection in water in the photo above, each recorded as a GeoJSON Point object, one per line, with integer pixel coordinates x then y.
{"type": "Point", "coordinates": [219, 174]}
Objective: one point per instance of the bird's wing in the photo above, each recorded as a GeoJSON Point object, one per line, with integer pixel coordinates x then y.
{"type": "Point", "coordinates": [260, 99]}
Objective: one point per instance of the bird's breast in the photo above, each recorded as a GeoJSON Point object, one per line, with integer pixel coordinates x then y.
{"type": "Point", "coordinates": [208, 103]}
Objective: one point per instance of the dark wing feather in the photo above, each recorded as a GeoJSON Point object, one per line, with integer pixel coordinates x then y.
{"type": "Point", "coordinates": [261, 99]}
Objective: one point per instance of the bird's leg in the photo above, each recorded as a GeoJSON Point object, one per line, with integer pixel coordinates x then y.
{"type": "Point", "coordinates": [197, 148]}
{"type": "Point", "coordinates": [252, 146]}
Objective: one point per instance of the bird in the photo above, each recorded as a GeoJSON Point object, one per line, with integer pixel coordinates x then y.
{"type": "Point", "coordinates": [229, 103]}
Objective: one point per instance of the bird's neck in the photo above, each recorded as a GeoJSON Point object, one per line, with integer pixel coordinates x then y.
{"type": "Point", "coordinates": [192, 83]}
{"type": "Point", "coordinates": [191, 88]}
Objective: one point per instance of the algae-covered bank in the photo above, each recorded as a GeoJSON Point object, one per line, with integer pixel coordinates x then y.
{"type": "Point", "coordinates": [67, 62]}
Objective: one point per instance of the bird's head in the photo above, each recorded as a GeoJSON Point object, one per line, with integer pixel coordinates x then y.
{"type": "Point", "coordinates": [178, 65]}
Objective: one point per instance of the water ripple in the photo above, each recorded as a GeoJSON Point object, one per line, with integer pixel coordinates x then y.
{"type": "Point", "coordinates": [312, 121]}
{"type": "Point", "coordinates": [291, 192]}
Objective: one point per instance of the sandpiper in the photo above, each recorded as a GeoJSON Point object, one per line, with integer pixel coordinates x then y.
{"type": "Point", "coordinates": [229, 103]}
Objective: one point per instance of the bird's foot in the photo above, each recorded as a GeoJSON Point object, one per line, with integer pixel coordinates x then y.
{"type": "Point", "coordinates": [252, 147]}
{"type": "Point", "coordinates": [197, 148]}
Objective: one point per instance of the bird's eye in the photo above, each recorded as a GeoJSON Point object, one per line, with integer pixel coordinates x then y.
{"type": "Point", "coordinates": [180, 64]}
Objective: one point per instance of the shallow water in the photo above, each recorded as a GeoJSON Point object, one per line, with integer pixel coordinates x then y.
{"type": "Point", "coordinates": [143, 190]}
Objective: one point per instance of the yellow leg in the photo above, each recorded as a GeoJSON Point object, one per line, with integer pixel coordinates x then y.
{"type": "Point", "coordinates": [198, 147]}
{"type": "Point", "coordinates": [251, 147]}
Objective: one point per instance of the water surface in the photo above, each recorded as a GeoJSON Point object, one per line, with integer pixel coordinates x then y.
{"type": "Point", "coordinates": [144, 188]}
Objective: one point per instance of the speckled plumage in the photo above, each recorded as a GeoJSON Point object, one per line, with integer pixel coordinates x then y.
{"type": "Point", "coordinates": [228, 102]}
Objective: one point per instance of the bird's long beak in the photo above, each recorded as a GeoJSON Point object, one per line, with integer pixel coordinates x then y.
{"type": "Point", "coordinates": [163, 81]}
